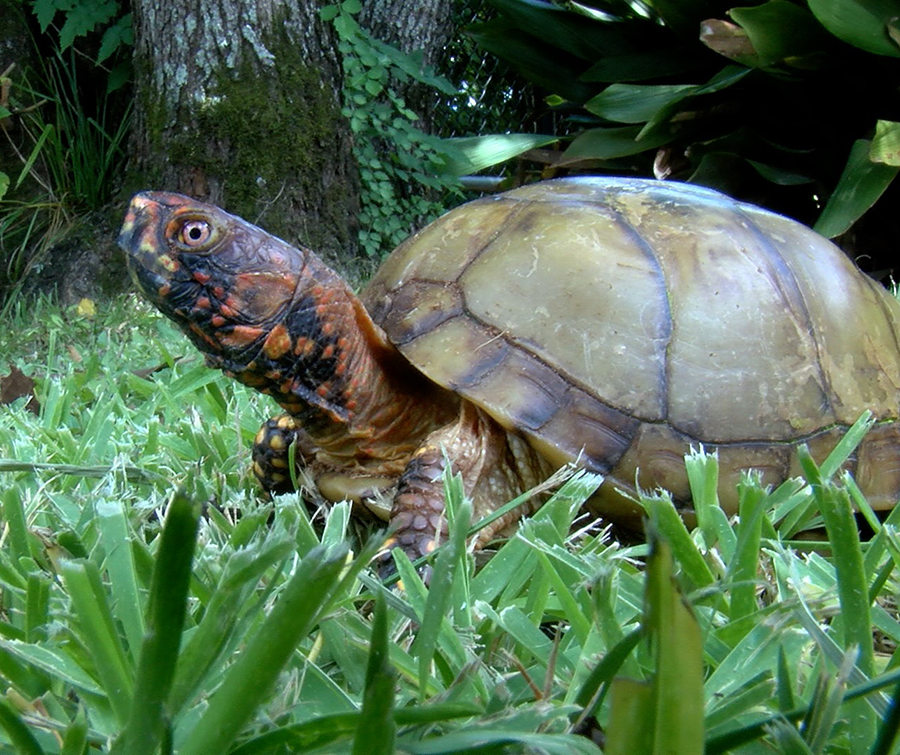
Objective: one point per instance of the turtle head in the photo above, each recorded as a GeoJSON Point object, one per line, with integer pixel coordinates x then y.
{"type": "Point", "coordinates": [224, 281]}
{"type": "Point", "coordinates": [265, 312]}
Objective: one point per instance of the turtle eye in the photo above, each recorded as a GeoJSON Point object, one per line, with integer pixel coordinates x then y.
{"type": "Point", "coordinates": [194, 233]}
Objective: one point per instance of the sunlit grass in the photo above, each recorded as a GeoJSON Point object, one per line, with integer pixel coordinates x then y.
{"type": "Point", "coordinates": [152, 601]}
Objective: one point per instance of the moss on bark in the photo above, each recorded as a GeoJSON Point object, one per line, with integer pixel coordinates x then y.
{"type": "Point", "coordinates": [256, 128]}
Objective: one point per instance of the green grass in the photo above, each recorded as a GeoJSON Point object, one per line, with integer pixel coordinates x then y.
{"type": "Point", "coordinates": [153, 602]}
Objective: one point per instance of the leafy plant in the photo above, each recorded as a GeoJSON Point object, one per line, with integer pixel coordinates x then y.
{"type": "Point", "coordinates": [400, 167]}
{"type": "Point", "coordinates": [67, 136]}
{"type": "Point", "coordinates": [790, 104]}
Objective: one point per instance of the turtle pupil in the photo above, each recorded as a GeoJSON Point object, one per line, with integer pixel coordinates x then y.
{"type": "Point", "coordinates": [195, 232]}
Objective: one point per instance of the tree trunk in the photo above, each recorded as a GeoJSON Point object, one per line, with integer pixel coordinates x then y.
{"type": "Point", "coordinates": [239, 103]}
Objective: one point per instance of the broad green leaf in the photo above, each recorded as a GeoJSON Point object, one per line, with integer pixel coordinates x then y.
{"type": "Point", "coordinates": [684, 16]}
{"type": "Point", "coordinates": [83, 18]}
{"type": "Point", "coordinates": [635, 103]}
{"type": "Point", "coordinates": [559, 28]}
{"type": "Point", "coordinates": [885, 147]}
{"type": "Point", "coordinates": [780, 176]}
{"type": "Point", "coordinates": [469, 154]}
{"type": "Point", "coordinates": [646, 64]}
{"type": "Point", "coordinates": [861, 23]}
{"type": "Point", "coordinates": [780, 30]}
{"type": "Point", "coordinates": [859, 187]}
{"type": "Point", "coordinates": [114, 37]}
{"type": "Point", "coordinates": [609, 143]}
{"type": "Point", "coordinates": [45, 10]}
{"type": "Point", "coordinates": [553, 70]}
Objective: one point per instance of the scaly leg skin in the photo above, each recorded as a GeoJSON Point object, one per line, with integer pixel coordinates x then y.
{"type": "Point", "coordinates": [270, 453]}
{"type": "Point", "coordinates": [495, 466]}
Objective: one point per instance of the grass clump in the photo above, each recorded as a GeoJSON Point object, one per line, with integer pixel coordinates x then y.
{"type": "Point", "coordinates": [154, 603]}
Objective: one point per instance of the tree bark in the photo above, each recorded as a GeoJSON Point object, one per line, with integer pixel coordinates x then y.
{"type": "Point", "coordinates": [239, 103]}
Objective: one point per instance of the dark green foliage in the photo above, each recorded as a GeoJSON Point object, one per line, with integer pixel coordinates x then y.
{"type": "Point", "coordinates": [400, 166]}
{"type": "Point", "coordinates": [63, 124]}
{"type": "Point", "coordinates": [765, 101]}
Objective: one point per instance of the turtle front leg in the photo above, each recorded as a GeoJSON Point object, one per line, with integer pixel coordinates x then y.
{"type": "Point", "coordinates": [495, 466]}
{"type": "Point", "coordinates": [270, 452]}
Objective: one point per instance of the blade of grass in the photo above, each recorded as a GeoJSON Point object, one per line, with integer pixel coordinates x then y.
{"type": "Point", "coordinates": [631, 731]}
{"type": "Point", "coordinates": [19, 735]}
{"type": "Point", "coordinates": [228, 600]}
{"type": "Point", "coordinates": [671, 526]}
{"type": "Point", "coordinates": [54, 663]}
{"type": "Point", "coordinates": [116, 538]}
{"type": "Point", "coordinates": [853, 589]}
{"type": "Point", "coordinates": [744, 567]}
{"type": "Point", "coordinates": [76, 735]}
{"type": "Point", "coordinates": [165, 619]}
{"type": "Point", "coordinates": [499, 740]}
{"type": "Point", "coordinates": [99, 633]}
{"type": "Point", "coordinates": [595, 687]}
{"type": "Point", "coordinates": [445, 566]}
{"type": "Point", "coordinates": [36, 604]}
{"type": "Point", "coordinates": [665, 716]}
{"type": "Point", "coordinates": [14, 515]}
{"type": "Point", "coordinates": [376, 731]}
{"type": "Point", "coordinates": [256, 668]}
{"type": "Point", "coordinates": [679, 659]}
{"type": "Point", "coordinates": [703, 475]}
{"type": "Point", "coordinates": [890, 727]}
{"type": "Point", "coordinates": [823, 708]}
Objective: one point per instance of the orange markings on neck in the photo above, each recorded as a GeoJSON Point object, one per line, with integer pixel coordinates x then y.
{"type": "Point", "coordinates": [278, 342]}
{"type": "Point", "coordinates": [201, 277]}
{"type": "Point", "coordinates": [205, 336]}
{"type": "Point", "coordinates": [242, 335]}
{"type": "Point", "coordinates": [304, 346]}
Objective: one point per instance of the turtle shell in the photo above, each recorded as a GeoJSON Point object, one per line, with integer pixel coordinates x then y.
{"type": "Point", "coordinates": [619, 322]}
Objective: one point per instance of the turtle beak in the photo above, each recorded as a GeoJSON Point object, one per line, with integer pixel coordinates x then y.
{"type": "Point", "coordinates": [148, 259]}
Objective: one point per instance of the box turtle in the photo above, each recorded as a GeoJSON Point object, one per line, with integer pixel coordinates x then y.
{"type": "Point", "coordinates": [609, 322]}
